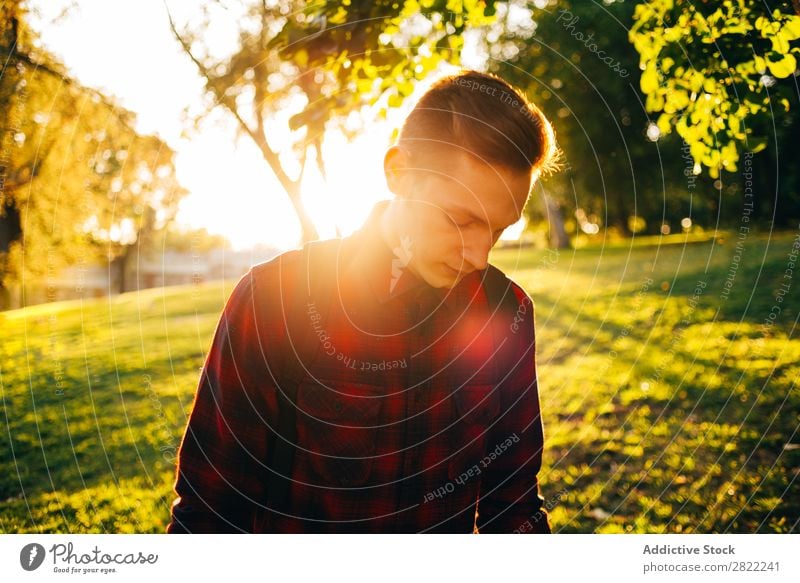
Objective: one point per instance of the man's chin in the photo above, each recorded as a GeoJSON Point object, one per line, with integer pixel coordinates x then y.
{"type": "Point", "coordinates": [446, 281]}
{"type": "Point", "coordinates": [441, 276]}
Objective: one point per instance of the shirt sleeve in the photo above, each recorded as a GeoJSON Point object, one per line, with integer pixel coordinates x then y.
{"type": "Point", "coordinates": [221, 473]}
{"type": "Point", "coordinates": [509, 500]}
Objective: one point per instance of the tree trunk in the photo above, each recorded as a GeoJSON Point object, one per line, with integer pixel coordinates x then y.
{"type": "Point", "coordinates": [309, 231]}
{"type": "Point", "coordinates": [559, 239]}
{"type": "Point", "coordinates": [621, 214]}
{"type": "Point", "coordinates": [10, 227]}
{"type": "Point", "coordinates": [120, 267]}
{"type": "Point", "coordinates": [10, 231]}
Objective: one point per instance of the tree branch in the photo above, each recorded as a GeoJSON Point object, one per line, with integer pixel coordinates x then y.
{"type": "Point", "coordinates": [259, 137]}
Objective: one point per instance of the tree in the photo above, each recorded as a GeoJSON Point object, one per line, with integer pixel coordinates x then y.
{"type": "Point", "coordinates": [711, 70]}
{"type": "Point", "coordinates": [78, 183]}
{"type": "Point", "coordinates": [574, 60]}
{"type": "Point", "coordinates": [322, 62]}
{"type": "Point", "coordinates": [140, 202]}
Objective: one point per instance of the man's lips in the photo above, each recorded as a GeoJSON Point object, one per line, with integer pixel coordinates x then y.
{"type": "Point", "coordinates": [457, 272]}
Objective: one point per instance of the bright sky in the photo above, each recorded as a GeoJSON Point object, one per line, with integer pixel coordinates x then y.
{"type": "Point", "coordinates": [127, 49]}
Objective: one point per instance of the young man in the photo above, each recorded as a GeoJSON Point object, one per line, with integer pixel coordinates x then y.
{"type": "Point", "coordinates": [386, 382]}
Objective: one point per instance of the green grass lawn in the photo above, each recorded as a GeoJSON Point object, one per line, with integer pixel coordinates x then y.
{"type": "Point", "coordinates": [669, 405]}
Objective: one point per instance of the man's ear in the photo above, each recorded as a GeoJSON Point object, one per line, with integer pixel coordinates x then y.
{"type": "Point", "coordinates": [395, 168]}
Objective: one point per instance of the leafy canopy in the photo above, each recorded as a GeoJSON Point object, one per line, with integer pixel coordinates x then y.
{"type": "Point", "coordinates": [708, 68]}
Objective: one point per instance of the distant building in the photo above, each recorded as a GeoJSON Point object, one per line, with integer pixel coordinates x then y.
{"type": "Point", "coordinates": [168, 269]}
{"type": "Point", "coordinates": [178, 268]}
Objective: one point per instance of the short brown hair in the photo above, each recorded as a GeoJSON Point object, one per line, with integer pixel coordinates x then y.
{"type": "Point", "coordinates": [485, 116]}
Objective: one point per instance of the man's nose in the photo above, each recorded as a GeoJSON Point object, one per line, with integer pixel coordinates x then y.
{"type": "Point", "coordinates": [476, 253]}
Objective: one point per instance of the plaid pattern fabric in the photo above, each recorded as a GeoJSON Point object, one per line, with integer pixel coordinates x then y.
{"type": "Point", "coordinates": [419, 413]}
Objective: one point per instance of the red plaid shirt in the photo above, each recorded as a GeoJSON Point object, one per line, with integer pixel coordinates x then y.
{"type": "Point", "coordinates": [405, 423]}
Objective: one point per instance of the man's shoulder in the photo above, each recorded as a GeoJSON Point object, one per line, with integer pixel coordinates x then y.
{"type": "Point", "coordinates": [290, 257]}
{"type": "Point", "coordinates": [500, 281]}
{"type": "Point", "coordinates": [284, 266]}
{"type": "Point", "coordinates": [264, 270]}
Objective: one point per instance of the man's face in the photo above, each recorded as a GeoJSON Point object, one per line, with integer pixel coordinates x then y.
{"type": "Point", "coordinates": [452, 213]}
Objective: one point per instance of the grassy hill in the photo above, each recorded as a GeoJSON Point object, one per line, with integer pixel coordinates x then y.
{"type": "Point", "coordinates": [668, 379]}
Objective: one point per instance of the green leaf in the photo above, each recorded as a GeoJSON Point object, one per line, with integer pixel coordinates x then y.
{"type": "Point", "coordinates": [791, 28]}
{"type": "Point", "coordinates": [649, 81]}
{"type": "Point", "coordinates": [395, 100]}
{"type": "Point", "coordinates": [784, 67]}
